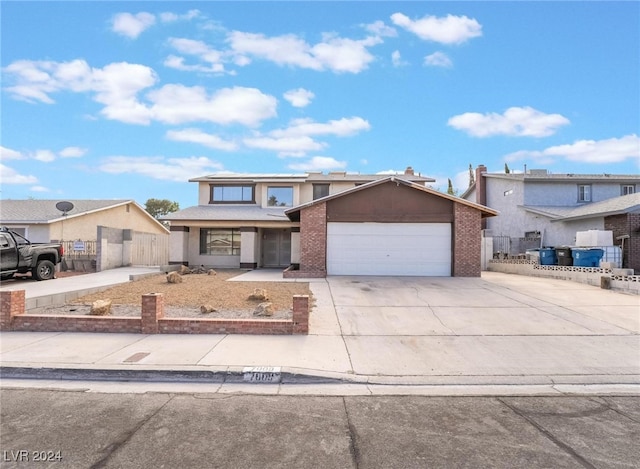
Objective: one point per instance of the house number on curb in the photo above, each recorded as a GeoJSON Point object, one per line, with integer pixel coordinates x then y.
{"type": "Point", "coordinates": [262, 374]}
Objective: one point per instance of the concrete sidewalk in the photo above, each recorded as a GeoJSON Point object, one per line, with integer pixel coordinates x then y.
{"type": "Point", "coordinates": [519, 334]}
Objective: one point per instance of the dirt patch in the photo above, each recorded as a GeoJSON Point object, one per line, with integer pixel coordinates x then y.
{"type": "Point", "coordinates": [230, 299]}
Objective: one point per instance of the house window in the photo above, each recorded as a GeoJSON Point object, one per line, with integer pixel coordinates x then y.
{"type": "Point", "coordinates": [627, 189]}
{"type": "Point", "coordinates": [584, 193]}
{"type": "Point", "coordinates": [232, 194]}
{"type": "Point", "coordinates": [219, 242]}
{"type": "Point", "coordinates": [280, 196]}
{"type": "Point", "coordinates": [320, 190]}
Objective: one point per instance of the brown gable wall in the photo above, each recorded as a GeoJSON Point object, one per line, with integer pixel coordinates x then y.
{"type": "Point", "coordinates": [390, 203]}
{"type": "Point", "coordinates": [466, 241]}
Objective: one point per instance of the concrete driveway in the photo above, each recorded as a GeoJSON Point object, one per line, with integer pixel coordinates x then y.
{"type": "Point", "coordinates": [494, 329]}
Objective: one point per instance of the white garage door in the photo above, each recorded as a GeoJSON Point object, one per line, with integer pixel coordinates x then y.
{"type": "Point", "coordinates": [419, 249]}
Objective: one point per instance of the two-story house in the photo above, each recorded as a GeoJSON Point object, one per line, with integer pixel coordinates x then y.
{"type": "Point", "coordinates": [260, 221]}
{"type": "Point", "coordinates": [538, 208]}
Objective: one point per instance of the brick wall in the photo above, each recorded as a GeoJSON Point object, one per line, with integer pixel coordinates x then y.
{"type": "Point", "coordinates": [466, 241]}
{"type": "Point", "coordinates": [313, 241]}
{"type": "Point", "coordinates": [12, 303]}
{"type": "Point", "coordinates": [626, 224]}
{"type": "Point", "coordinates": [59, 323]}
{"type": "Point", "coordinates": [151, 320]}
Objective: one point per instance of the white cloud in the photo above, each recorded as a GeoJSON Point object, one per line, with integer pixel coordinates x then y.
{"type": "Point", "coordinates": [319, 163]}
{"type": "Point", "coordinates": [343, 127]}
{"type": "Point", "coordinates": [516, 121]}
{"type": "Point", "coordinates": [299, 97]}
{"type": "Point", "coordinates": [198, 136]}
{"type": "Point", "coordinates": [177, 104]}
{"type": "Point", "coordinates": [39, 189]}
{"type": "Point", "coordinates": [11, 176]}
{"type": "Point", "coordinates": [72, 152]}
{"type": "Point", "coordinates": [9, 154]}
{"type": "Point", "coordinates": [286, 146]}
{"type": "Point", "coordinates": [117, 85]}
{"type": "Point", "coordinates": [445, 30]}
{"type": "Point", "coordinates": [169, 17]}
{"type": "Point", "coordinates": [380, 29]}
{"type": "Point", "coordinates": [438, 59]}
{"type": "Point", "coordinates": [130, 25]}
{"type": "Point", "coordinates": [212, 57]}
{"type": "Point", "coordinates": [396, 59]}
{"type": "Point", "coordinates": [45, 156]}
{"type": "Point", "coordinates": [333, 53]}
{"type": "Point", "coordinates": [612, 150]}
{"type": "Point", "coordinates": [168, 169]}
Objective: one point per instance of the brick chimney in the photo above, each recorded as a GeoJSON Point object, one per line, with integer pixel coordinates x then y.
{"type": "Point", "coordinates": [409, 171]}
{"type": "Point", "coordinates": [481, 190]}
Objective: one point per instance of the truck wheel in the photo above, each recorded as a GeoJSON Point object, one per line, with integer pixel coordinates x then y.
{"type": "Point", "coordinates": [45, 270]}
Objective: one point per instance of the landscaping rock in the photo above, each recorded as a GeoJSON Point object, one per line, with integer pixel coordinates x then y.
{"type": "Point", "coordinates": [205, 309]}
{"type": "Point", "coordinates": [174, 277]}
{"type": "Point", "coordinates": [184, 270]}
{"type": "Point", "coordinates": [100, 308]}
{"type": "Point", "coordinates": [264, 309]}
{"type": "Point", "coordinates": [211, 272]}
{"type": "Point", "coordinates": [259, 294]}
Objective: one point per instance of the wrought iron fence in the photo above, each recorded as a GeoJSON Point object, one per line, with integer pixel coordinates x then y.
{"type": "Point", "coordinates": [80, 249]}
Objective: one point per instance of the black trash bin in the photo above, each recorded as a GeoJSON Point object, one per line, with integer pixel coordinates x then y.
{"type": "Point", "coordinates": [564, 256]}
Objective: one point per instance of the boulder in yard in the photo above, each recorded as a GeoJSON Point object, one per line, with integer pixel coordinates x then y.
{"type": "Point", "coordinates": [211, 272]}
{"type": "Point", "coordinates": [259, 294]}
{"type": "Point", "coordinates": [184, 270]}
{"type": "Point", "coordinates": [264, 309]}
{"type": "Point", "coordinates": [174, 277]}
{"type": "Point", "coordinates": [100, 308]}
{"type": "Point", "coordinates": [205, 309]}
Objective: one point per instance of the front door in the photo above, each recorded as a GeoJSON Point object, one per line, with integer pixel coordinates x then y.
{"type": "Point", "coordinates": [276, 248]}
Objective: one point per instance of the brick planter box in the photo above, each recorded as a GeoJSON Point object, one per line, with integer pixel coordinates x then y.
{"type": "Point", "coordinates": [151, 321]}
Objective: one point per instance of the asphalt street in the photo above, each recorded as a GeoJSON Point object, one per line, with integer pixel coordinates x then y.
{"type": "Point", "coordinates": [56, 429]}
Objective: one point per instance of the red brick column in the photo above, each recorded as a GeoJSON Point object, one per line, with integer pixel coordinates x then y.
{"type": "Point", "coordinates": [12, 303]}
{"type": "Point", "coordinates": [152, 310]}
{"type": "Point", "coordinates": [300, 314]}
{"type": "Point", "coordinates": [313, 240]}
{"type": "Point", "coordinates": [467, 240]}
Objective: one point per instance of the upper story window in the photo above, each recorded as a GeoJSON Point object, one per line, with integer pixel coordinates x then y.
{"type": "Point", "coordinates": [228, 194]}
{"type": "Point", "coordinates": [320, 190]}
{"type": "Point", "coordinates": [280, 196]}
{"type": "Point", "coordinates": [627, 189]}
{"type": "Point", "coordinates": [584, 193]}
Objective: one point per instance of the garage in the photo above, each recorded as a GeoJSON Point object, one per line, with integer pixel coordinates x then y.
{"type": "Point", "coordinates": [388, 227]}
{"type": "Point", "coordinates": [394, 249]}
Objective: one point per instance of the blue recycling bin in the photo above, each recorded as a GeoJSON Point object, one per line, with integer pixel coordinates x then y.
{"type": "Point", "coordinates": [548, 256]}
{"type": "Point", "coordinates": [587, 257]}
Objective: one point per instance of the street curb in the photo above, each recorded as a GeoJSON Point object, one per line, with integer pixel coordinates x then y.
{"type": "Point", "coordinates": [195, 376]}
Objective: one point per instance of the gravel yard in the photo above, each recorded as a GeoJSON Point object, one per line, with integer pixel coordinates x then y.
{"type": "Point", "coordinates": [229, 299]}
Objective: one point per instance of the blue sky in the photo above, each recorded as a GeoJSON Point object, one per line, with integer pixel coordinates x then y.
{"type": "Point", "coordinates": [131, 99]}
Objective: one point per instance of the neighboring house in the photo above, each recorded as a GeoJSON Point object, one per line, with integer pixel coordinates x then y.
{"type": "Point", "coordinates": [88, 223]}
{"type": "Point", "coordinates": [538, 208]}
{"type": "Point", "coordinates": [333, 224]}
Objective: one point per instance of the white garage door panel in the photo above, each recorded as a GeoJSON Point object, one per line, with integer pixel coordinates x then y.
{"type": "Point", "coordinates": [420, 249]}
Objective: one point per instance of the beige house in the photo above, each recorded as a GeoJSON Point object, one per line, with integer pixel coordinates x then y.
{"type": "Point", "coordinates": [106, 233]}
{"type": "Point", "coordinates": [371, 225]}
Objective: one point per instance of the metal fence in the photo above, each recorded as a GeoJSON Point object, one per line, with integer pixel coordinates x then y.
{"type": "Point", "coordinates": [80, 249]}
